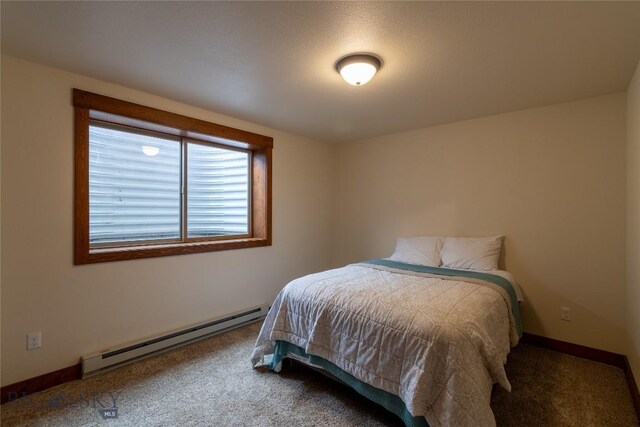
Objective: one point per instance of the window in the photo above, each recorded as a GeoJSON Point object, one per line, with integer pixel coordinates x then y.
{"type": "Point", "coordinates": [152, 183]}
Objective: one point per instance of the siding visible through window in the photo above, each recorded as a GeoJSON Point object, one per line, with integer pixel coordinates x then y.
{"type": "Point", "coordinates": [132, 196]}
{"type": "Point", "coordinates": [218, 191]}
{"type": "Point", "coordinates": [135, 183]}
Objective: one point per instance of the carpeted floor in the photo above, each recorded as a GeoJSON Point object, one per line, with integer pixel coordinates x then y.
{"type": "Point", "coordinates": [211, 383]}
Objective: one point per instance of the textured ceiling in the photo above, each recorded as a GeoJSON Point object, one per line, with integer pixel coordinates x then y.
{"type": "Point", "coordinates": [273, 63]}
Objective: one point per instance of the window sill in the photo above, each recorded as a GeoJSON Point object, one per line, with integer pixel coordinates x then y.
{"type": "Point", "coordinates": [167, 249]}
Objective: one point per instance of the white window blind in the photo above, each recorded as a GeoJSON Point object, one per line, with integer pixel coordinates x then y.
{"type": "Point", "coordinates": [135, 181]}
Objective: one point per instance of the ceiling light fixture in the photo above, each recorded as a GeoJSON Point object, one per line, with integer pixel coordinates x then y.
{"type": "Point", "coordinates": [358, 69]}
{"type": "Point", "coordinates": [150, 150]}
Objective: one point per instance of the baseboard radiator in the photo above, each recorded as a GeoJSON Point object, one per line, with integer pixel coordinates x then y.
{"type": "Point", "coordinates": [96, 363]}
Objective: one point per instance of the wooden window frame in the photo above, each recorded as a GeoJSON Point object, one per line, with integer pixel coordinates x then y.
{"type": "Point", "coordinates": [90, 106]}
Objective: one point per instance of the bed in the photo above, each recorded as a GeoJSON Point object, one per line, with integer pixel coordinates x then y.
{"type": "Point", "coordinates": [425, 342]}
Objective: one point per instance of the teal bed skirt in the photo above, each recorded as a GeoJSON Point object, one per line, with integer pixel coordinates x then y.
{"type": "Point", "coordinates": [385, 399]}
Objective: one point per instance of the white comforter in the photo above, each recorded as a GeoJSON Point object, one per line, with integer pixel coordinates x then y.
{"type": "Point", "coordinates": [438, 343]}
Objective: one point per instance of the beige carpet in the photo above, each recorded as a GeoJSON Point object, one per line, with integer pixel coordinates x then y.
{"type": "Point", "coordinates": [211, 383]}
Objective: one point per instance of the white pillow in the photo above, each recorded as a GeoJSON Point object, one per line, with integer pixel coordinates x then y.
{"type": "Point", "coordinates": [473, 253]}
{"type": "Point", "coordinates": [418, 250]}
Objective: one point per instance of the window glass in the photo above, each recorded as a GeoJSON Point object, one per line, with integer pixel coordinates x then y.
{"type": "Point", "coordinates": [217, 191]}
{"type": "Point", "coordinates": [134, 186]}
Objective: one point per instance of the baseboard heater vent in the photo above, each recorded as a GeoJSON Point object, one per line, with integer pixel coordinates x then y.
{"type": "Point", "coordinates": [96, 363]}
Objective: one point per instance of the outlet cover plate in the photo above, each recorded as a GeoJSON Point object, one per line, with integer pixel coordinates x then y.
{"type": "Point", "coordinates": [34, 340]}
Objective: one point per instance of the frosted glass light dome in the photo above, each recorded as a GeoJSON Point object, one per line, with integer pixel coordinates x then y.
{"type": "Point", "coordinates": [150, 150]}
{"type": "Point", "coordinates": [358, 69]}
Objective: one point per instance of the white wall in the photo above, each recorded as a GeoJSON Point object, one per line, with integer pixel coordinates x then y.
{"type": "Point", "coordinates": [551, 179]}
{"type": "Point", "coordinates": [89, 308]}
{"type": "Point", "coordinates": [633, 221]}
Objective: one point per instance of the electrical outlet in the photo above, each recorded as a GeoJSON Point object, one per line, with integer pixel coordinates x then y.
{"type": "Point", "coordinates": [34, 340]}
{"type": "Point", "coordinates": [565, 313]}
